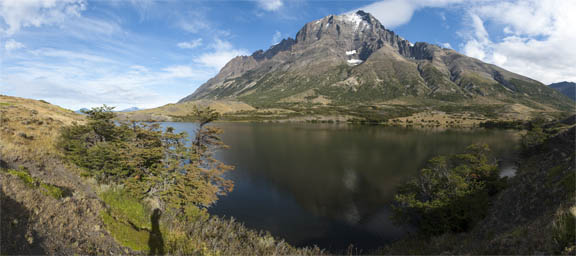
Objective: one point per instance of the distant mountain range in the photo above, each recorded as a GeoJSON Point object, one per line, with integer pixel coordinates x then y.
{"type": "Point", "coordinates": [566, 88]}
{"type": "Point", "coordinates": [81, 111]}
{"type": "Point", "coordinates": [351, 59]}
{"type": "Point", "coordinates": [129, 109]}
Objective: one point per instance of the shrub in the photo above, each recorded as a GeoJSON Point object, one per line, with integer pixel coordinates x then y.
{"type": "Point", "coordinates": [533, 140]}
{"type": "Point", "coordinates": [450, 194]}
{"type": "Point", "coordinates": [152, 163]}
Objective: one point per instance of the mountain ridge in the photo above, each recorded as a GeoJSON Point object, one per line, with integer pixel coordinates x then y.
{"type": "Point", "coordinates": [566, 88]}
{"type": "Point", "coordinates": [352, 59]}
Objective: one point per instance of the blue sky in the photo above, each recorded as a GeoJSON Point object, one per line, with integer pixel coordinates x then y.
{"type": "Point", "coordinates": [124, 53]}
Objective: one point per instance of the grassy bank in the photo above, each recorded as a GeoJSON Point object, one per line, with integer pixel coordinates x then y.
{"type": "Point", "coordinates": [68, 211]}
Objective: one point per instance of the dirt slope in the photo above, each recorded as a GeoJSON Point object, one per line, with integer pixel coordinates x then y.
{"type": "Point", "coordinates": [32, 221]}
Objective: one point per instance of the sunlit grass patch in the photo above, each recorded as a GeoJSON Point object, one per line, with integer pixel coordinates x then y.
{"type": "Point", "coordinates": [126, 235]}
{"type": "Point", "coordinates": [123, 206]}
{"type": "Point", "coordinates": [24, 177]}
{"type": "Point", "coordinates": [46, 189]}
{"type": "Point", "coordinates": [51, 190]}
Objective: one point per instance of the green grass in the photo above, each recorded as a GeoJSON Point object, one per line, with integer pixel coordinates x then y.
{"type": "Point", "coordinates": [125, 207]}
{"type": "Point", "coordinates": [5, 104]}
{"type": "Point", "coordinates": [125, 235]}
{"type": "Point", "coordinates": [51, 190]}
{"type": "Point", "coordinates": [46, 189]}
{"type": "Point", "coordinates": [24, 177]}
{"type": "Point", "coordinates": [127, 219]}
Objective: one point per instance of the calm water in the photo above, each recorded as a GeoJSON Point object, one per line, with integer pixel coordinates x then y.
{"type": "Point", "coordinates": [330, 184]}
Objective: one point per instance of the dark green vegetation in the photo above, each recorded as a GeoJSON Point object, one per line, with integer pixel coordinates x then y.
{"type": "Point", "coordinates": [534, 213]}
{"type": "Point", "coordinates": [451, 194]}
{"type": "Point", "coordinates": [158, 186]}
{"type": "Point", "coordinates": [153, 164]}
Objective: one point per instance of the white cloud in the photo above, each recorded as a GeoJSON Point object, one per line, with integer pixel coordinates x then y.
{"type": "Point", "coordinates": [393, 13]}
{"type": "Point", "coordinates": [190, 45]}
{"type": "Point", "coordinates": [270, 5]}
{"type": "Point", "coordinates": [82, 79]}
{"type": "Point", "coordinates": [276, 37]}
{"type": "Point", "coordinates": [12, 44]}
{"type": "Point", "coordinates": [69, 55]}
{"type": "Point", "coordinates": [194, 22]}
{"type": "Point", "coordinates": [143, 7]}
{"type": "Point", "coordinates": [538, 39]}
{"type": "Point", "coordinates": [35, 13]}
{"type": "Point", "coordinates": [535, 37]}
{"type": "Point", "coordinates": [223, 52]}
{"type": "Point", "coordinates": [183, 71]}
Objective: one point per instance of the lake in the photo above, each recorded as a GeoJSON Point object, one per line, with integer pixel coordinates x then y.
{"type": "Point", "coordinates": [332, 184]}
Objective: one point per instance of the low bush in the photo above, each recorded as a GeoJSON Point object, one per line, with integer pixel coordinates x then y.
{"type": "Point", "coordinates": [450, 194]}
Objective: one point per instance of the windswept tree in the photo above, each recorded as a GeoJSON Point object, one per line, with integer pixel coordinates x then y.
{"type": "Point", "coordinates": [178, 172]}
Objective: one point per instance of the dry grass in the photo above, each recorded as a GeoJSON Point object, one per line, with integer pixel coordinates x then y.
{"type": "Point", "coordinates": [167, 112]}
{"type": "Point", "coordinates": [80, 223]}
{"type": "Point", "coordinates": [29, 128]}
{"type": "Point", "coordinates": [439, 119]}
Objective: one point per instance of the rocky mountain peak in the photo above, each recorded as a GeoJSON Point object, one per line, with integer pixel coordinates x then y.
{"type": "Point", "coordinates": [352, 58]}
{"type": "Point", "coordinates": [353, 35]}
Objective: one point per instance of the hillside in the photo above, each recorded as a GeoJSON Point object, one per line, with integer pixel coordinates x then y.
{"type": "Point", "coordinates": [33, 220]}
{"type": "Point", "coordinates": [566, 88]}
{"type": "Point", "coordinates": [171, 112]}
{"type": "Point", "coordinates": [535, 214]}
{"type": "Point", "coordinates": [339, 64]}
{"type": "Point", "coordinates": [49, 205]}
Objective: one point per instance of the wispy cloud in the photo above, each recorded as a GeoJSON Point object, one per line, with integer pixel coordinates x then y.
{"type": "Point", "coordinates": [223, 51]}
{"type": "Point", "coordinates": [191, 44]}
{"type": "Point", "coordinates": [35, 13]}
{"type": "Point", "coordinates": [276, 37]}
{"type": "Point", "coordinates": [270, 5]}
{"type": "Point", "coordinates": [194, 21]}
{"type": "Point", "coordinates": [69, 55]}
{"type": "Point", "coordinates": [12, 44]}
{"type": "Point", "coordinates": [92, 82]}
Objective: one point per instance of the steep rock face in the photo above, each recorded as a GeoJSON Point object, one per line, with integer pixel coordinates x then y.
{"type": "Point", "coordinates": [352, 58]}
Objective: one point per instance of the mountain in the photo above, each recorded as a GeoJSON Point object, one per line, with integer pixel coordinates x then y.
{"type": "Point", "coordinates": [566, 88]}
{"type": "Point", "coordinates": [81, 111]}
{"type": "Point", "coordinates": [129, 109]}
{"type": "Point", "coordinates": [351, 60]}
